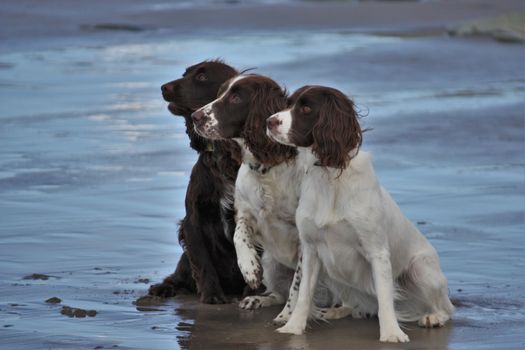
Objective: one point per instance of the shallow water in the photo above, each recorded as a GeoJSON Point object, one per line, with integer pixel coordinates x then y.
{"type": "Point", "coordinates": [93, 172]}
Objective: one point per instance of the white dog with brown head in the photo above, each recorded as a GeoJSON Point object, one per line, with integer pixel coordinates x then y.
{"type": "Point", "coordinates": [350, 227]}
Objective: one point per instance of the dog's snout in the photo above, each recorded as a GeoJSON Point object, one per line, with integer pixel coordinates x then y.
{"type": "Point", "coordinates": [165, 88]}
{"type": "Point", "coordinates": [272, 122]}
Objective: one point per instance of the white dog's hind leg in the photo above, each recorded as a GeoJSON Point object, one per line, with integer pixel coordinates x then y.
{"type": "Point", "coordinates": [427, 283]}
{"type": "Point", "coordinates": [331, 313]}
{"type": "Point", "coordinates": [434, 319]}
{"type": "Point", "coordinates": [318, 313]}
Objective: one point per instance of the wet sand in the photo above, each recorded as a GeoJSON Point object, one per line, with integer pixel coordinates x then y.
{"type": "Point", "coordinates": [93, 169]}
{"type": "Point", "coordinates": [33, 18]}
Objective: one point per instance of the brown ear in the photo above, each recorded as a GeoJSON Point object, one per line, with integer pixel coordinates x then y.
{"type": "Point", "coordinates": [337, 132]}
{"type": "Point", "coordinates": [268, 99]}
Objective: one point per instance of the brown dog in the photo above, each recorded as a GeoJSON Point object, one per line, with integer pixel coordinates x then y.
{"type": "Point", "coordinates": [208, 265]}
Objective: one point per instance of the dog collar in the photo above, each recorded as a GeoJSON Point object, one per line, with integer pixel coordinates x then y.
{"type": "Point", "coordinates": [209, 147]}
{"type": "Point", "coordinates": [258, 168]}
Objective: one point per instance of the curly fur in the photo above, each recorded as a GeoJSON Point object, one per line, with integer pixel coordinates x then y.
{"type": "Point", "coordinates": [337, 131]}
{"type": "Point", "coordinates": [267, 99]}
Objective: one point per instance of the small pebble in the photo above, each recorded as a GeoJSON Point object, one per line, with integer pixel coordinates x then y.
{"type": "Point", "coordinates": [75, 312]}
{"type": "Point", "coordinates": [80, 313]}
{"type": "Point", "coordinates": [149, 300]}
{"type": "Point", "coordinates": [54, 300]}
{"type": "Point", "coordinates": [91, 313]}
{"type": "Point", "coordinates": [37, 276]}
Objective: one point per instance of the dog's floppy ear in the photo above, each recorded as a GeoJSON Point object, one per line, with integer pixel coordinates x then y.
{"type": "Point", "coordinates": [337, 131]}
{"type": "Point", "coordinates": [267, 99]}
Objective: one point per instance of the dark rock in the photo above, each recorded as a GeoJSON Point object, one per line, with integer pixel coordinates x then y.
{"type": "Point", "coordinates": [149, 300]}
{"type": "Point", "coordinates": [76, 312]}
{"type": "Point", "coordinates": [54, 300]}
{"type": "Point", "coordinates": [37, 276]}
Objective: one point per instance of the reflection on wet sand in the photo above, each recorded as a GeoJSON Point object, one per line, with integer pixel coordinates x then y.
{"type": "Point", "coordinates": [227, 326]}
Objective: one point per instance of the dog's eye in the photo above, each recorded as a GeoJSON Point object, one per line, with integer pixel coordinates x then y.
{"type": "Point", "coordinates": [201, 77]}
{"type": "Point", "coordinates": [235, 99]}
{"type": "Point", "coordinates": [305, 109]}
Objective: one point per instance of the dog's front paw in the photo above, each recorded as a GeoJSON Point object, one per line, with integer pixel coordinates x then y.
{"type": "Point", "coordinates": [291, 329]}
{"type": "Point", "coordinates": [251, 270]}
{"type": "Point", "coordinates": [251, 303]}
{"type": "Point", "coordinates": [394, 336]}
{"type": "Point", "coordinates": [432, 320]}
{"type": "Point", "coordinates": [163, 289]}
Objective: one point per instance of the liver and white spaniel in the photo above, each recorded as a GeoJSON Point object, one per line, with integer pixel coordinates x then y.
{"type": "Point", "coordinates": [350, 227]}
{"type": "Point", "coordinates": [266, 190]}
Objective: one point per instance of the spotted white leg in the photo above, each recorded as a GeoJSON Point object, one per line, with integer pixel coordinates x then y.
{"type": "Point", "coordinates": [247, 257]}
{"type": "Point", "coordinates": [286, 312]}
{"type": "Point", "coordinates": [310, 266]}
{"type": "Point", "coordinates": [318, 313]}
{"type": "Point", "coordinates": [389, 329]}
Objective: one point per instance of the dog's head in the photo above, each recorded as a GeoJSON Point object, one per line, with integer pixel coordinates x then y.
{"type": "Point", "coordinates": [321, 118]}
{"type": "Point", "coordinates": [198, 86]}
{"type": "Point", "coordinates": [240, 112]}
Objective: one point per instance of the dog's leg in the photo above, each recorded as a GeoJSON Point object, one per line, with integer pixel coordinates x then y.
{"type": "Point", "coordinates": [310, 266]}
{"type": "Point", "coordinates": [276, 279]}
{"type": "Point", "coordinates": [179, 281]}
{"type": "Point", "coordinates": [203, 270]}
{"type": "Point", "coordinates": [318, 313]}
{"type": "Point", "coordinates": [383, 282]}
{"type": "Point", "coordinates": [247, 257]}
{"type": "Point", "coordinates": [430, 285]}
{"type": "Point", "coordinates": [284, 315]}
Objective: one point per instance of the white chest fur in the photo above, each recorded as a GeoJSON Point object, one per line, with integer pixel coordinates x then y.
{"type": "Point", "coordinates": [270, 201]}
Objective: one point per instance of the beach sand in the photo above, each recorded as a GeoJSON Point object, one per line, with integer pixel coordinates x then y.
{"type": "Point", "coordinates": [93, 168]}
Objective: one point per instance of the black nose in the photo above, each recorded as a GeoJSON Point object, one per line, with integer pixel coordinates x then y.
{"type": "Point", "coordinates": [272, 122]}
{"type": "Point", "coordinates": [197, 116]}
{"type": "Point", "coordinates": [165, 88]}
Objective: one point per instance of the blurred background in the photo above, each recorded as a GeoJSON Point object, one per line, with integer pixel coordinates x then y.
{"type": "Point", "coordinates": [93, 168]}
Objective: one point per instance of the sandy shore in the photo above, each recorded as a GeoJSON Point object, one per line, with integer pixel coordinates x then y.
{"type": "Point", "coordinates": [93, 169]}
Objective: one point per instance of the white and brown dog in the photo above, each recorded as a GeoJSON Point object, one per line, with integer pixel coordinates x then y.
{"type": "Point", "coordinates": [350, 227]}
{"type": "Point", "coordinates": [266, 191]}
